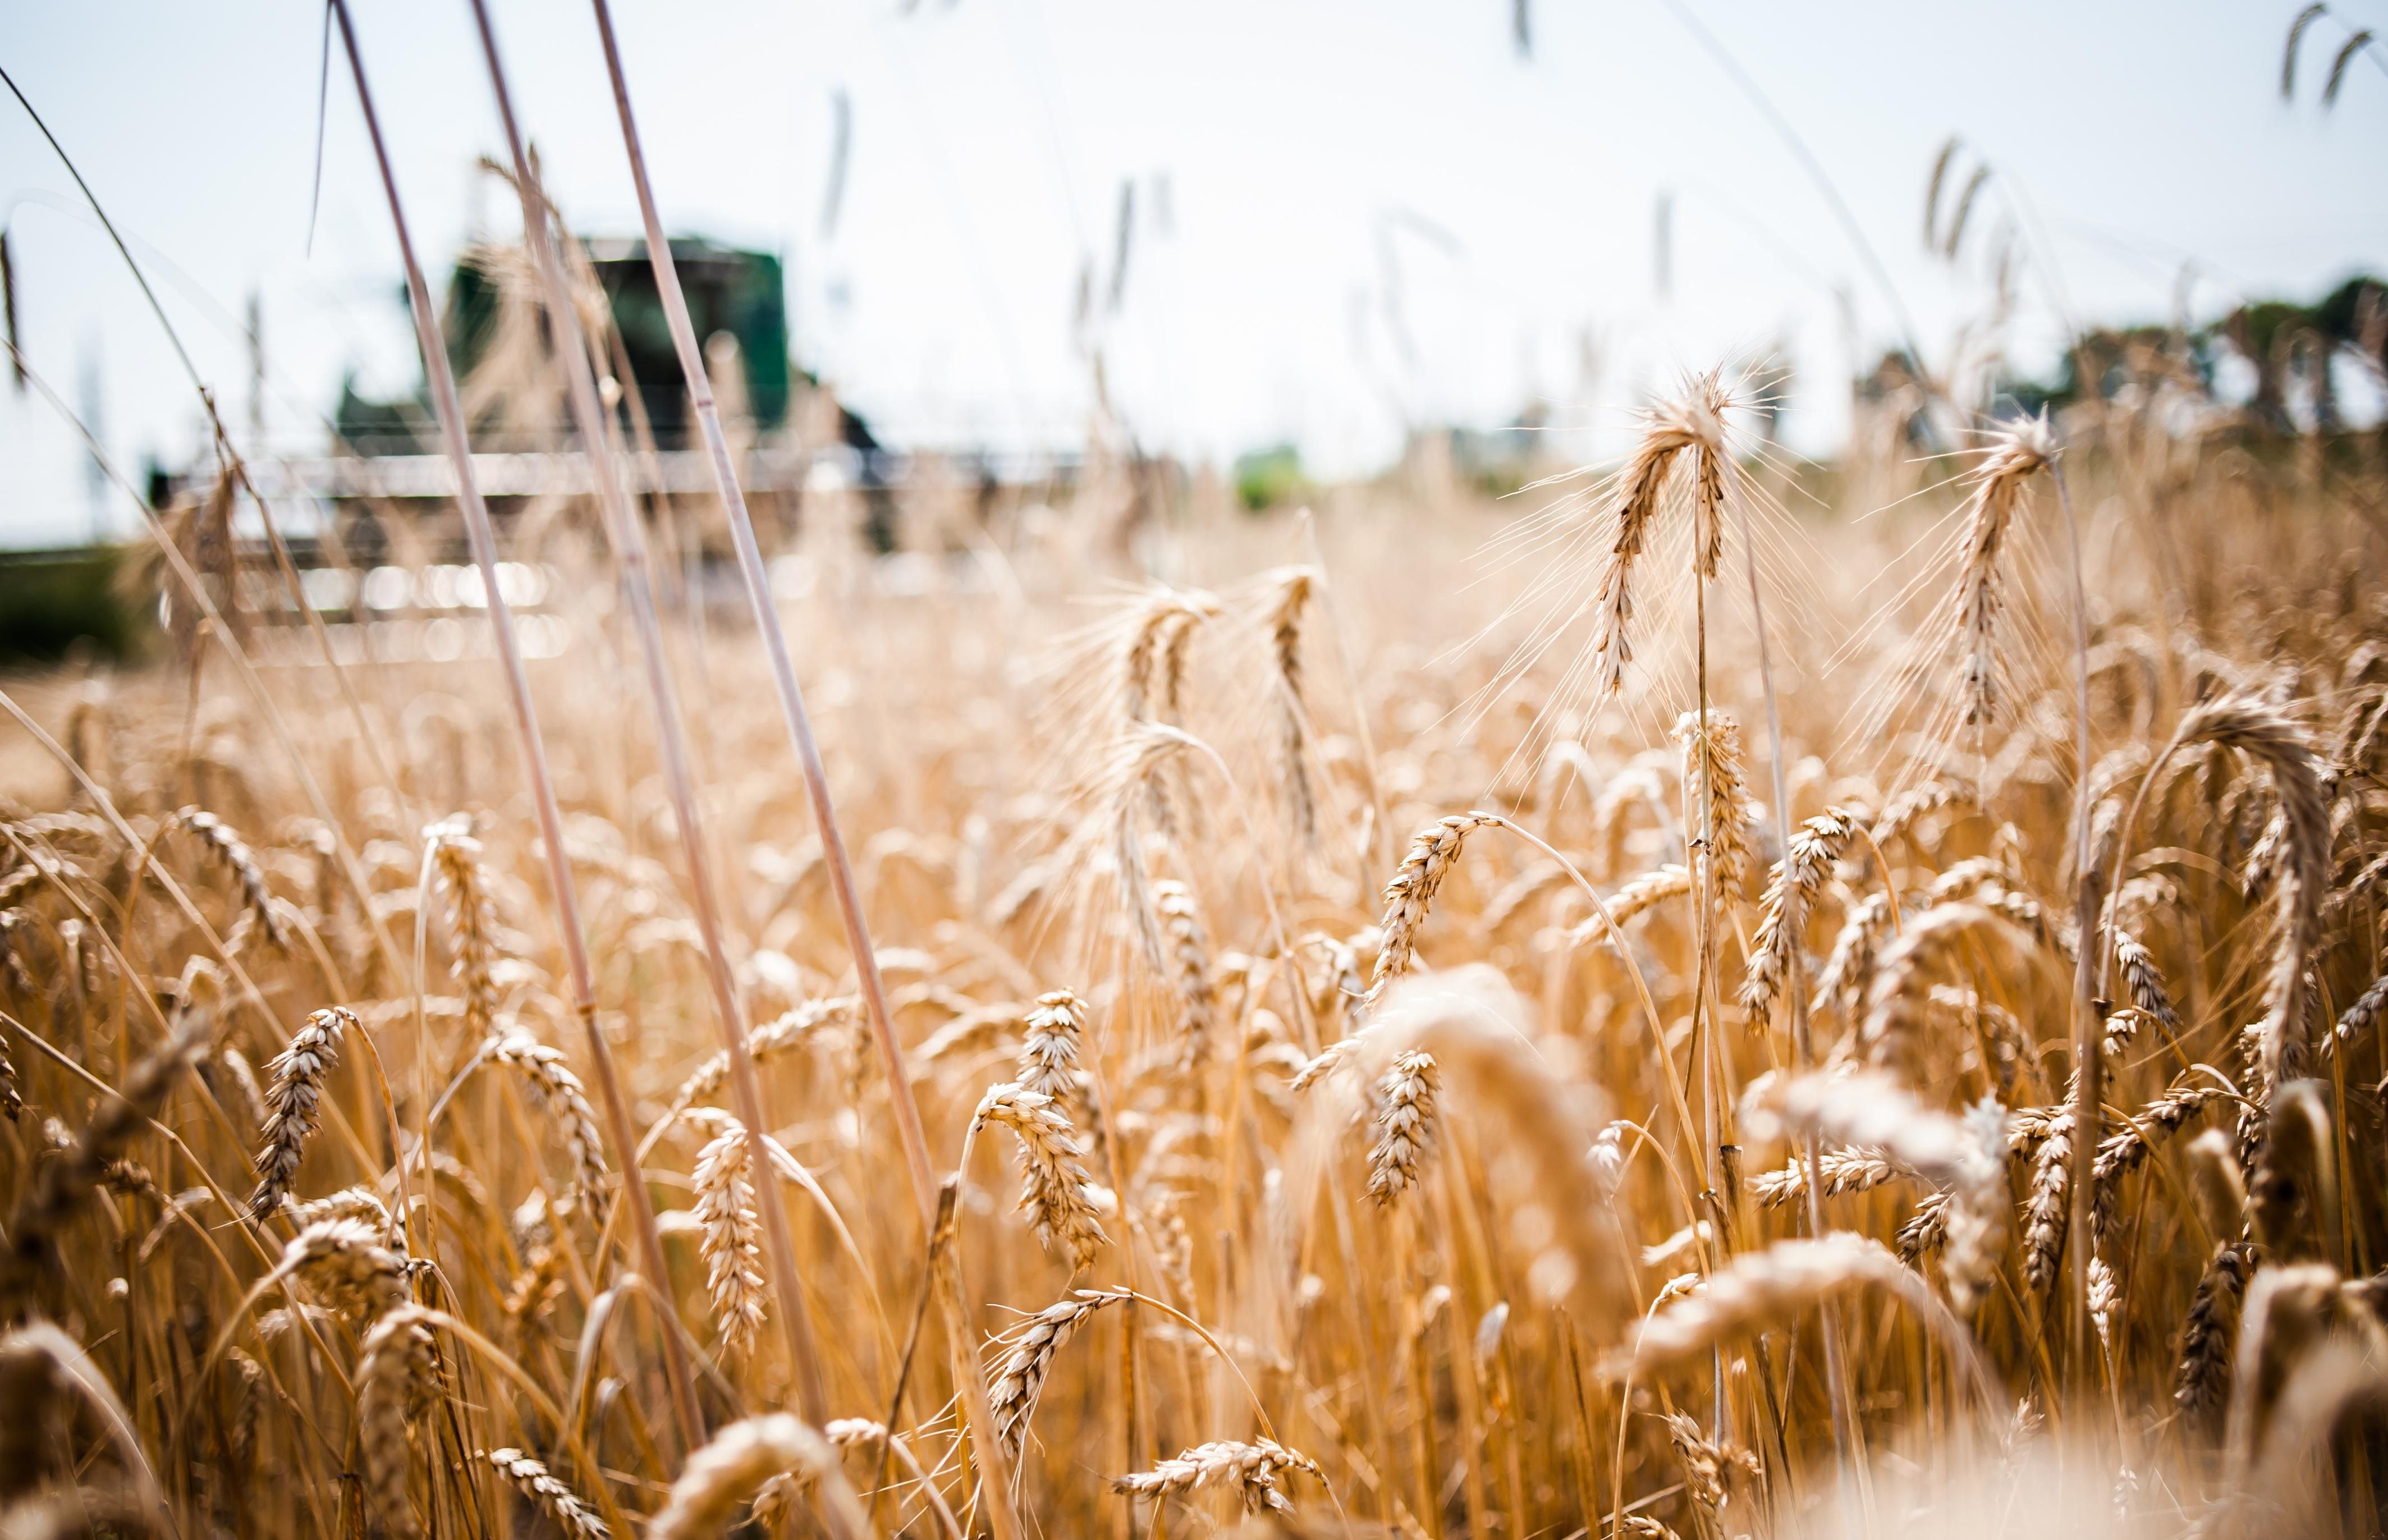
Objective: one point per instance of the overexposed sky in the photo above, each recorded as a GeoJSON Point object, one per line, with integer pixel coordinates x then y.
{"type": "Point", "coordinates": [1348, 218]}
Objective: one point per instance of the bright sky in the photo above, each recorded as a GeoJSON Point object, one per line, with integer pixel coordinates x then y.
{"type": "Point", "coordinates": [1349, 218]}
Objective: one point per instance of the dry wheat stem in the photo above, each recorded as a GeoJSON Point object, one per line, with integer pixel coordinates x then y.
{"type": "Point", "coordinates": [628, 541]}
{"type": "Point", "coordinates": [793, 712]}
{"type": "Point", "coordinates": [479, 535]}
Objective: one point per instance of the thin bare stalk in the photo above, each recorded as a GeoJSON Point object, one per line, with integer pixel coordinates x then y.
{"type": "Point", "coordinates": [1794, 963]}
{"type": "Point", "coordinates": [2089, 1062]}
{"type": "Point", "coordinates": [775, 643]}
{"type": "Point", "coordinates": [551, 823]}
{"type": "Point", "coordinates": [630, 556]}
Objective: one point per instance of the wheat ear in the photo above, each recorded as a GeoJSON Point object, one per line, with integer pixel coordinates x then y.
{"type": "Point", "coordinates": [1028, 1358]}
{"type": "Point", "coordinates": [775, 1501]}
{"type": "Point", "coordinates": [729, 1233]}
{"type": "Point", "coordinates": [1053, 1179]}
{"type": "Point", "coordinates": [1845, 1170]}
{"type": "Point", "coordinates": [1249, 1470]}
{"type": "Point", "coordinates": [1998, 481]}
{"type": "Point", "coordinates": [1673, 429]}
{"type": "Point", "coordinates": [396, 1374]}
{"type": "Point", "coordinates": [1801, 874]}
{"type": "Point", "coordinates": [559, 1502]}
{"type": "Point", "coordinates": [2201, 1375]}
{"type": "Point", "coordinates": [743, 1457]}
{"type": "Point", "coordinates": [1048, 1047]}
{"type": "Point", "coordinates": [557, 1092]}
{"type": "Point", "coordinates": [1288, 602]}
{"type": "Point", "coordinates": [1712, 771]}
{"type": "Point", "coordinates": [1411, 893]}
{"type": "Point", "coordinates": [1758, 1288]}
{"type": "Point", "coordinates": [457, 857]}
{"type": "Point", "coordinates": [293, 1103]}
{"type": "Point", "coordinates": [1190, 965]}
{"type": "Point", "coordinates": [1406, 1123]}
{"type": "Point", "coordinates": [236, 857]}
{"type": "Point", "coordinates": [789, 1030]}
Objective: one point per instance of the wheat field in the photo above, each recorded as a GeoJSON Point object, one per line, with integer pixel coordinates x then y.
{"type": "Point", "coordinates": [1715, 996]}
{"type": "Point", "coordinates": [1375, 1073]}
